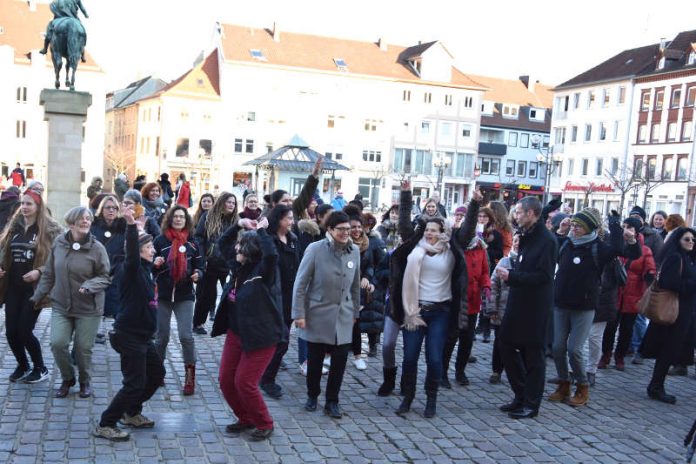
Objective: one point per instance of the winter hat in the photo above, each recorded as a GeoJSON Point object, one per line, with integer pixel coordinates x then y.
{"type": "Point", "coordinates": [633, 222]}
{"type": "Point", "coordinates": [586, 219]}
{"type": "Point", "coordinates": [11, 193]}
{"type": "Point", "coordinates": [144, 239]}
{"type": "Point", "coordinates": [638, 211]}
{"type": "Point", "coordinates": [557, 219]}
{"type": "Point", "coordinates": [674, 221]}
{"type": "Point", "coordinates": [460, 210]}
{"type": "Point", "coordinates": [133, 195]}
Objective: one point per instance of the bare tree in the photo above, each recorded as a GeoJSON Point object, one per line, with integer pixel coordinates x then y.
{"type": "Point", "coordinates": [377, 174]}
{"type": "Point", "coordinates": [623, 180]}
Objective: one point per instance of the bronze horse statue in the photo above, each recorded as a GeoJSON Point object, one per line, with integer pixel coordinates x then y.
{"type": "Point", "coordinates": [68, 42]}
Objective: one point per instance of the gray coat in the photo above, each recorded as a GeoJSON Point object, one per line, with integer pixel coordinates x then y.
{"type": "Point", "coordinates": [67, 270]}
{"type": "Point", "coordinates": [327, 292]}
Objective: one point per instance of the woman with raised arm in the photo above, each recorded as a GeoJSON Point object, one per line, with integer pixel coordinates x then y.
{"type": "Point", "coordinates": [427, 289]}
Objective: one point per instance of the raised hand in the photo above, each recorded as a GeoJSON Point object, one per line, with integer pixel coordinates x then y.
{"type": "Point", "coordinates": [317, 166]}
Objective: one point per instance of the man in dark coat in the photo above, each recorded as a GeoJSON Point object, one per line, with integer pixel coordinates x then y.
{"type": "Point", "coordinates": [528, 307]}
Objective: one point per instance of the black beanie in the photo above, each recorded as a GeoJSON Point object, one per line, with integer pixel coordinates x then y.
{"type": "Point", "coordinates": [633, 222]}
{"type": "Point", "coordinates": [639, 211]}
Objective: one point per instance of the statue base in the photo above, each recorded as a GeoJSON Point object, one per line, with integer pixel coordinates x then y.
{"type": "Point", "coordinates": [66, 113]}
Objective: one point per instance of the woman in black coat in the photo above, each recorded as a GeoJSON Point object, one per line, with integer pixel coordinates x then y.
{"type": "Point", "coordinates": [662, 342]}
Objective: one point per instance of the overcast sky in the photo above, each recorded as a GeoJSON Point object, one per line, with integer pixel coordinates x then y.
{"type": "Point", "coordinates": [553, 40]}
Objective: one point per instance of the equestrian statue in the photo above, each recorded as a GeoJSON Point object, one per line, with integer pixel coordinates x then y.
{"type": "Point", "coordinates": [67, 37]}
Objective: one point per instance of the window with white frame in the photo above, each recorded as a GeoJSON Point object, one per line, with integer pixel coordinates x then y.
{"type": "Point", "coordinates": [655, 133]}
{"type": "Point", "coordinates": [622, 95]}
{"type": "Point", "coordinates": [468, 102]}
{"type": "Point", "coordinates": [614, 165]}
{"type": "Point", "coordinates": [616, 131]}
{"type": "Point", "coordinates": [645, 100]}
{"type": "Point", "coordinates": [370, 125]}
{"type": "Point", "coordinates": [560, 135]}
{"type": "Point", "coordinates": [21, 94]}
{"type": "Point", "coordinates": [510, 168]}
{"type": "Point", "coordinates": [590, 98]}
{"type": "Point", "coordinates": [427, 97]}
{"type": "Point", "coordinates": [21, 129]}
{"type": "Point", "coordinates": [671, 131]}
{"type": "Point", "coordinates": [571, 166]}
{"type": "Point", "coordinates": [682, 167]}
{"type": "Point", "coordinates": [512, 139]}
{"type": "Point", "coordinates": [448, 100]}
{"type": "Point", "coordinates": [372, 156]}
{"type": "Point", "coordinates": [521, 169]}
{"type": "Point", "coordinates": [524, 140]}
{"type": "Point", "coordinates": [599, 167]}
{"type": "Point", "coordinates": [331, 122]}
{"type": "Point", "coordinates": [406, 96]}
{"type": "Point", "coordinates": [249, 146]}
{"type": "Point", "coordinates": [676, 98]}
{"type": "Point", "coordinates": [588, 132]}
{"type": "Point", "coordinates": [602, 131]}
{"type": "Point", "coordinates": [690, 96]}
{"type": "Point", "coordinates": [659, 99]}
{"type": "Point", "coordinates": [576, 100]}
{"type": "Point", "coordinates": [510, 111]}
{"type": "Point", "coordinates": [643, 133]}
{"type": "Point", "coordinates": [687, 130]}
{"type": "Point", "coordinates": [485, 166]}
{"type": "Point", "coordinates": [466, 130]}
{"type": "Point", "coordinates": [574, 134]}
{"type": "Point", "coordinates": [667, 167]}
{"type": "Point", "coordinates": [495, 166]}
{"type": "Point", "coordinates": [692, 57]}
{"type": "Point", "coordinates": [533, 168]}
{"type": "Point", "coordinates": [425, 127]}
{"type": "Point", "coordinates": [606, 95]}
{"type": "Point", "coordinates": [585, 166]}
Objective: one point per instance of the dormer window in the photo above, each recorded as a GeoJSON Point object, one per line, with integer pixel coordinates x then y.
{"type": "Point", "coordinates": [510, 111]}
{"type": "Point", "coordinates": [692, 57]}
{"type": "Point", "coordinates": [257, 54]}
{"type": "Point", "coordinates": [537, 114]}
{"type": "Point", "coordinates": [416, 66]}
{"type": "Point", "coordinates": [341, 64]}
{"type": "Point", "coordinates": [487, 108]}
{"type": "Point", "coordinates": [661, 63]}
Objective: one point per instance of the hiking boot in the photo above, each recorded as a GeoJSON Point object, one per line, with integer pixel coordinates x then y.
{"type": "Point", "coordinates": [110, 433]}
{"type": "Point", "coordinates": [137, 421]}
{"type": "Point", "coordinates": [64, 388]}
{"type": "Point", "coordinates": [581, 397]}
{"type": "Point", "coordinates": [562, 392]}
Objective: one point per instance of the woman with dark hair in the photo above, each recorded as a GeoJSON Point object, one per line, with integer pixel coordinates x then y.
{"type": "Point", "coordinates": [427, 292]}
{"type": "Point", "coordinates": [250, 314]}
{"type": "Point", "coordinates": [251, 207]}
{"type": "Point", "coordinates": [662, 342]}
{"type": "Point", "coordinates": [280, 222]}
{"type": "Point", "coordinates": [25, 246]}
{"type": "Point", "coordinates": [502, 224]}
{"type": "Point", "coordinates": [389, 228]}
{"type": "Point", "coordinates": [178, 265]}
{"type": "Point", "coordinates": [212, 225]}
{"type": "Point", "coordinates": [155, 207]}
{"type": "Point", "coordinates": [206, 202]}
{"type": "Point", "coordinates": [657, 222]}
{"type": "Point", "coordinates": [326, 303]}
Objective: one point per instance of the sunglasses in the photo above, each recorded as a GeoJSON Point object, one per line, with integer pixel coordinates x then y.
{"type": "Point", "coordinates": [688, 239]}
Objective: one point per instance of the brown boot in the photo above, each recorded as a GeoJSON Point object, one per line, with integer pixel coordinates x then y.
{"type": "Point", "coordinates": [562, 392]}
{"type": "Point", "coordinates": [619, 360]}
{"type": "Point", "coordinates": [190, 380]}
{"type": "Point", "coordinates": [581, 397]}
{"type": "Point", "coordinates": [604, 361]}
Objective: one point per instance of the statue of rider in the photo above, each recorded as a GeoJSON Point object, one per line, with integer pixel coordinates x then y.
{"type": "Point", "coordinates": [63, 9]}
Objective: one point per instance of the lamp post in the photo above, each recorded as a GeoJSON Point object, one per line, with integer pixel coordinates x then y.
{"type": "Point", "coordinates": [441, 163]}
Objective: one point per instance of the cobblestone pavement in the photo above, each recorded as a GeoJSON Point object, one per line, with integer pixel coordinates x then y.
{"type": "Point", "coordinates": [619, 425]}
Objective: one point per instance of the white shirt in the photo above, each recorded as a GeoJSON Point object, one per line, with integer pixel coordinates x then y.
{"type": "Point", "coordinates": [435, 283]}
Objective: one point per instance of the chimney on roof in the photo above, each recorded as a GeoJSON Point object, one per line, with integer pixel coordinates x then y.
{"type": "Point", "coordinates": [382, 44]}
{"type": "Point", "coordinates": [276, 32]}
{"type": "Point", "coordinates": [32, 5]}
{"type": "Point", "coordinates": [529, 82]}
{"type": "Point", "coordinates": [663, 43]}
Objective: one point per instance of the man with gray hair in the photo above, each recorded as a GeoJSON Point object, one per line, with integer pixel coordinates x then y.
{"type": "Point", "coordinates": [522, 331]}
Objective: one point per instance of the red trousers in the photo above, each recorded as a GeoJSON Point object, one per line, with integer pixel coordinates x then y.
{"type": "Point", "coordinates": [240, 373]}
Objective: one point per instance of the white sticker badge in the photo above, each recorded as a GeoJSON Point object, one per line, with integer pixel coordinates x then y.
{"type": "Point", "coordinates": [182, 249]}
{"type": "Point", "coordinates": [76, 246]}
{"type": "Point", "coordinates": [107, 234]}
{"type": "Point", "coordinates": [350, 264]}
{"type": "Point", "coordinates": [576, 260]}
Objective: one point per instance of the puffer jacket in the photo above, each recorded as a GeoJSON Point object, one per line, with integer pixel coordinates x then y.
{"type": "Point", "coordinates": [479, 277]}
{"type": "Point", "coordinates": [641, 272]}
{"type": "Point", "coordinates": [495, 308]}
{"type": "Point", "coordinates": [652, 239]}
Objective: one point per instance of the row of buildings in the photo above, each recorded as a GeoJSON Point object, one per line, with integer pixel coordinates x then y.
{"type": "Point", "coordinates": [621, 131]}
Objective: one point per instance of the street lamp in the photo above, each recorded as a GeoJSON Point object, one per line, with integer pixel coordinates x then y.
{"type": "Point", "coordinates": [441, 163]}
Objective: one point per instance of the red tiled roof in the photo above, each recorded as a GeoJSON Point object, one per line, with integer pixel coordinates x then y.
{"type": "Point", "coordinates": [203, 79]}
{"type": "Point", "coordinates": [515, 92]}
{"type": "Point", "coordinates": [318, 53]}
{"type": "Point", "coordinates": [24, 29]}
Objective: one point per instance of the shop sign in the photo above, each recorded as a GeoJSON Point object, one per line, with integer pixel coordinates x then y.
{"type": "Point", "coordinates": [591, 187]}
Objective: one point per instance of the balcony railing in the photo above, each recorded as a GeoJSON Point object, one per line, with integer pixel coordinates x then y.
{"type": "Point", "coordinates": [492, 149]}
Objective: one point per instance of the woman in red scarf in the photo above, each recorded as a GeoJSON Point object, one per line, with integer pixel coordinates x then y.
{"type": "Point", "coordinates": [178, 265]}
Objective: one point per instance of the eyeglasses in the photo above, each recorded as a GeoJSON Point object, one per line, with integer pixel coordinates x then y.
{"type": "Point", "coordinates": [343, 230]}
{"type": "Point", "coordinates": [688, 239]}
{"type": "Point", "coordinates": [111, 208]}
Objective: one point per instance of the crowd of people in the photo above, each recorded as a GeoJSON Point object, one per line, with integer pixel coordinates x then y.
{"type": "Point", "coordinates": [538, 280]}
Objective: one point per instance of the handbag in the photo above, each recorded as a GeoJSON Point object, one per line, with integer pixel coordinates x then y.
{"type": "Point", "coordinates": [620, 272]}
{"type": "Point", "coordinates": [659, 305]}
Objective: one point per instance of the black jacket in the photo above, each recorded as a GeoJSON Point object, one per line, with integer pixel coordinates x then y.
{"type": "Point", "coordinates": [308, 231]}
{"type": "Point", "coordinates": [8, 206]}
{"type": "Point", "coordinates": [678, 274]}
{"type": "Point", "coordinates": [138, 315]}
{"type": "Point", "coordinates": [115, 243]}
{"type": "Point", "coordinates": [578, 277]}
{"type": "Point", "coordinates": [652, 240]}
{"type": "Point", "coordinates": [256, 315]}
{"type": "Point", "coordinates": [288, 262]}
{"type": "Point", "coordinates": [531, 288]}
{"type": "Point", "coordinates": [183, 291]}
{"type": "Point", "coordinates": [215, 262]}
{"type": "Point", "coordinates": [410, 238]}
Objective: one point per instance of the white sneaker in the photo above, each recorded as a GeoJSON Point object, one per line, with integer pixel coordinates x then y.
{"type": "Point", "coordinates": [327, 361]}
{"type": "Point", "coordinates": [303, 368]}
{"type": "Point", "coordinates": [360, 364]}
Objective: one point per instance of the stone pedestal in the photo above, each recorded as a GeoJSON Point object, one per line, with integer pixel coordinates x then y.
{"type": "Point", "coordinates": [66, 113]}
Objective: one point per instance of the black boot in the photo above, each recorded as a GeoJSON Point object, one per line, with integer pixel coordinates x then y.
{"type": "Point", "coordinates": [408, 389]}
{"type": "Point", "coordinates": [431, 402]}
{"type": "Point", "coordinates": [389, 383]}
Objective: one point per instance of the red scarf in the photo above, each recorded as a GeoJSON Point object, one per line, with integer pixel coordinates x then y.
{"type": "Point", "coordinates": [177, 260]}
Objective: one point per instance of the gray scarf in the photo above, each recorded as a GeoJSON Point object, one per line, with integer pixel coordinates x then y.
{"type": "Point", "coordinates": [587, 238]}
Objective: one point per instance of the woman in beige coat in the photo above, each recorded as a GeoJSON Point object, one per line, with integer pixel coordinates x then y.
{"type": "Point", "coordinates": [75, 278]}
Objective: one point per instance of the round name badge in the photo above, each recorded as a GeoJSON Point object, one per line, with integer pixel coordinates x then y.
{"type": "Point", "coordinates": [519, 259]}
{"type": "Point", "coordinates": [576, 260]}
{"type": "Point", "coordinates": [350, 264]}
{"type": "Point", "coordinates": [76, 246]}
{"type": "Point", "coordinates": [182, 249]}
{"type": "Point", "coordinates": [107, 234]}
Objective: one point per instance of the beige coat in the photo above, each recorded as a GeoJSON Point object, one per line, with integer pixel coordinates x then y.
{"type": "Point", "coordinates": [67, 270]}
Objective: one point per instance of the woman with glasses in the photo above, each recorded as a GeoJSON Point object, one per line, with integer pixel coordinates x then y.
{"type": "Point", "coordinates": [663, 342]}
{"type": "Point", "coordinates": [427, 292]}
{"type": "Point", "coordinates": [251, 207]}
{"type": "Point", "coordinates": [326, 304]}
{"type": "Point", "coordinates": [75, 278]}
{"type": "Point", "coordinates": [131, 199]}
{"type": "Point", "coordinates": [178, 265]}
{"type": "Point", "coordinates": [25, 246]}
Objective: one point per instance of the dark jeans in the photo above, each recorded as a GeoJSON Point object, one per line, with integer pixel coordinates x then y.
{"type": "Point", "coordinates": [624, 322]}
{"type": "Point", "coordinates": [20, 320]}
{"type": "Point", "coordinates": [435, 335]}
{"type": "Point", "coordinates": [143, 371]}
{"type": "Point", "coordinates": [315, 361]}
{"type": "Point", "coordinates": [497, 360]}
{"type": "Point", "coordinates": [356, 343]}
{"type": "Point", "coordinates": [466, 343]}
{"type": "Point", "coordinates": [206, 296]}
{"type": "Point", "coordinates": [484, 325]}
{"type": "Point", "coordinates": [525, 367]}
{"type": "Point", "coordinates": [271, 372]}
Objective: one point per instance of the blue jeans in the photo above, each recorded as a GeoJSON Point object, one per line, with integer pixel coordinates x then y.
{"type": "Point", "coordinates": [435, 334]}
{"type": "Point", "coordinates": [571, 331]}
{"type": "Point", "coordinates": [639, 329]}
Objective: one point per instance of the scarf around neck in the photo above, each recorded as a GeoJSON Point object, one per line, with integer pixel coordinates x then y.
{"type": "Point", "coordinates": [252, 214]}
{"type": "Point", "coordinates": [337, 246]}
{"type": "Point", "coordinates": [363, 242]}
{"type": "Point", "coordinates": [176, 259]}
{"type": "Point", "coordinates": [410, 290]}
{"type": "Point", "coordinates": [587, 238]}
